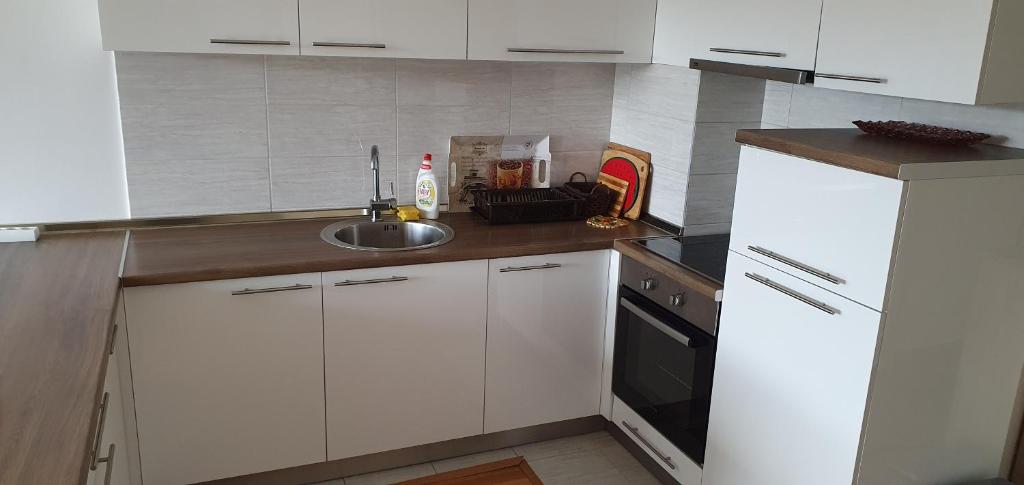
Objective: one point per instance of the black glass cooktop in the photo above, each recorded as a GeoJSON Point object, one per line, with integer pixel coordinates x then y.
{"type": "Point", "coordinates": [704, 254]}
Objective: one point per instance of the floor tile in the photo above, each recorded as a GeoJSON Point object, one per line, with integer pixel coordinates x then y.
{"type": "Point", "coordinates": [387, 477]}
{"type": "Point", "coordinates": [565, 446]}
{"type": "Point", "coordinates": [473, 460]}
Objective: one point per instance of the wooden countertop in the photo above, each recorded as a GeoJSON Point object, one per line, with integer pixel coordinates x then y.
{"type": "Point", "coordinates": [898, 159]}
{"type": "Point", "coordinates": [179, 255]}
{"type": "Point", "coordinates": [57, 298]}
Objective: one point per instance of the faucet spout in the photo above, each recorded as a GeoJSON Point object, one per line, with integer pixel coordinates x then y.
{"type": "Point", "coordinates": [379, 204]}
{"type": "Point", "coordinates": [375, 168]}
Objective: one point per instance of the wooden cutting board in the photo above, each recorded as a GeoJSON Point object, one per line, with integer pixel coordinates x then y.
{"type": "Point", "coordinates": [626, 171]}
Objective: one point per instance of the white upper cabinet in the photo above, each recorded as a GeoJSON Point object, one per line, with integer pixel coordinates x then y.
{"type": "Point", "coordinates": [781, 33]}
{"type": "Point", "coordinates": [404, 356]}
{"type": "Point", "coordinates": [228, 376]}
{"type": "Point", "coordinates": [562, 30]}
{"type": "Point", "coordinates": [422, 29]}
{"type": "Point", "coordinates": [943, 50]}
{"type": "Point", "coordinates": [545, 334]}
{"type": "Point", "coordinates": [224, 26]}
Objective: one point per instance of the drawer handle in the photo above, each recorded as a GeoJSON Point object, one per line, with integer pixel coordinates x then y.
{"type": "Point", "coordinates": [792, 293]}
{"type": "Point", "coordinates": [250, 42]}
{"type": "Point", "coordinates": [113, 339]}
{"type": "Point", "coordinates": [565, 51]}
{"type": "Point", "coordinates": [98, 439]}
{"type": "Point", "coordinates": [393, 279]}
{"type": "Point", "coordinates": [251, 291]}
{"type": "Point", "coordinates": [831, 278]}
{"type": "Point", "coordinates": [636, 432]}
{"type": "Point", "coordinates": [513, 269]}
{"type": "Point", "coordinates": [873, 80]}
{"type": "Point", "coordinates": [747, 53]}
{"type": "Point", "coordinates": [109, 460]}
{"type": "Point", "coordinates": [654, 322]}
{"type": "Point", "coordinates": [350, 44]}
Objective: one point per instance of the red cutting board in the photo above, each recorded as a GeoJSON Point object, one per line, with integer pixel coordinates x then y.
{"type": "Point", "coordinates": [626, 171]}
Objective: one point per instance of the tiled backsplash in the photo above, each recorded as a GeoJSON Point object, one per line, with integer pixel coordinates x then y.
{"type": "Point", "coordinates": [792, 106]}
{"type": "Point", "coordinates": [211, 134]}
{"type": "Point", "coordinates": [688, 121]}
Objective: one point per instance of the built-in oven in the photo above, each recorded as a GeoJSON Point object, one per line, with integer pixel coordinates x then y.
{"type": "Point", "coordinates": [665, 355]}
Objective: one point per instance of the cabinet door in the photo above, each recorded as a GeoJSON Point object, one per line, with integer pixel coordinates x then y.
{"type": "Point", "coordinates": [562, 30]}
{"type": "Point", "coordinates": [228, 376]}
{"type": "Point", "coordinates": [791, 381]}
{"type": "Point", "coordinates": [226, 26]}
{"type": "Point", "coordinates": [927, 49]}
{"type": "Point", "coordinates": [422, 29]}
{"type": "Point", "coordinates": [545, 334]}
{"type": "Point", "coordinates": [113, 451]}
{"type": "Point", "coordinates": [404, 356]}
{"type": "Point", "coordinates": [828, 225]}
{"type": "Point", "coordinates": [778, 34]}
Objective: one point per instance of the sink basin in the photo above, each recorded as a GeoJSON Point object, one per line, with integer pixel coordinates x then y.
{"type": "Point", "coordinates": [387, 236]}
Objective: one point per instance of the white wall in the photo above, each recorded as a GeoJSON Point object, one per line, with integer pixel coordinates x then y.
{"type": "Point", "coordinates": [60, 136]}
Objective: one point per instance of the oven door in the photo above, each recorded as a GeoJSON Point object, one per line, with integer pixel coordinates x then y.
{"type": "Point", "coordinates": [662, 370]}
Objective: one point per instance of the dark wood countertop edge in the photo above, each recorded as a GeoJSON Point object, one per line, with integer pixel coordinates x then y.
{"type": "Point", "coordinates": [630, 249]}
{"type": "Point", "coordinates": [803, 150]}
{"type": "Point", "coordinates": [323, 266]}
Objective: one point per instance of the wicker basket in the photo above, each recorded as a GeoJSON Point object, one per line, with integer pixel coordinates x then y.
{"type": "Point", "coordinates": [598, 197]}
{"type": "Point", "coordinates": [527, 205]}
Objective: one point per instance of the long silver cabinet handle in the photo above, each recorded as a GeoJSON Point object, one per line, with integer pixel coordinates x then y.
{"type": "Point", "coordinates": [350, 44]}
{"type": "Point", "coordinates": [250, 42]}
{"type": "Point", "coordinates": [256, 291]}
{"type": "Point", "coordinates": [98, 439]}
{"type": "Point", "coordinates": [513, 269]}
{"type": "Point", "coordinates": [636, 432]}
{"type": "Point", "coordinates": [109, 460]}
{"type": "Point", "coordinates": [873, 80]}
{"type": "Point", "coordinates": [113, 339]}
{"type": "Point", "coordinates": [658, 324]}
{"type": "Point", "coordinates": [792, 293]}
{"type": "Point", "coordinates": [831, 278]}
{"type": "Point", "coordinates": [747, 53]}
{"type": "Point", "coordinates": [565, 51]}
{"type": "Point", "coordinates": [393, 279]}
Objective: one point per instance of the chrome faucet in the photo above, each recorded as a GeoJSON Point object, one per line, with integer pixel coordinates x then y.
{"type": "Point", "coordinates": [377, 203]}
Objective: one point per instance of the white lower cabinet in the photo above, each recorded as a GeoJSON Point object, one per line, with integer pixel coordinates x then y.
{"type": "Point", "coordinates": [404, 350]}
{"type": "Point", "coordinates": [545, 334]}
{"type": "Point", "coordinates": [661, 450]}
{"type": "Point", "coordinates": [110, 454]}
{"type": "Point", "coordinates": [792, 374]}
{"type": "Point", "coordinates": [228, 376]}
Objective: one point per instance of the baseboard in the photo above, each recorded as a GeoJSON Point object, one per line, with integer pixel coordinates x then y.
{"type": "Point", "coordinates": [331, 470]}
{"type": "Point", "coordinates": [640, 455]}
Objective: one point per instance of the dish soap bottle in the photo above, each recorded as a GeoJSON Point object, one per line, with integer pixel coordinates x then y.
{"type": "Point", "coordinates": [426, 189]}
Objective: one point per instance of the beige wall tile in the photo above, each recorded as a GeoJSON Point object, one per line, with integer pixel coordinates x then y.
{"type": "Point", "coordinates": [330, 80]}
{"type": "Point", "coordinates": [828, 108]}
{"type": "Point", "coordinates": [146, 79]}
{"type": "Point", "coordinates": [306, 183]}
{"type": "Point", "coordinates": [710, 199]}
{"type": "Point", "coordinates": [428, 129]}
{"type": "Point", "coordinates": [188, 187]}
{"type": "Point", "coordinates": [453, 83]}
{"type": "Point", "coordinates": [194, 131]}
{"type": "Point", "coordinates": [715, 149]}
{"type": "Point", "coordinates": [330, 130]}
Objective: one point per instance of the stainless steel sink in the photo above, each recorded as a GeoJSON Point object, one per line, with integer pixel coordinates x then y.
{"type": "Point", "coordinates": [387, 236]}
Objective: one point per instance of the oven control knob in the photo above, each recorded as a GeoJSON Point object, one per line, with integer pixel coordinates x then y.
{"type": "Point", "coordinates": [648, 284]}
{"type": "Point", "coordinates": [677, 299]}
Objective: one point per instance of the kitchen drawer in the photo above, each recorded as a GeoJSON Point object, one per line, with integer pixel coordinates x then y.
{"type": "Point", "coordinates": [791, 383]}
{"type": "Point", "coordinates": [682, 468]}
{"type": "Point", "coordinates": [827, 225]}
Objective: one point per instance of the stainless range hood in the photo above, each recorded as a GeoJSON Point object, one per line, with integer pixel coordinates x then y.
{"type": "Point", "coordinates": [793, 76]}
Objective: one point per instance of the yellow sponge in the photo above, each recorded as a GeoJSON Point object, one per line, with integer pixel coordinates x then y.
{"type": "Point", "coordinates": [408, 213]}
